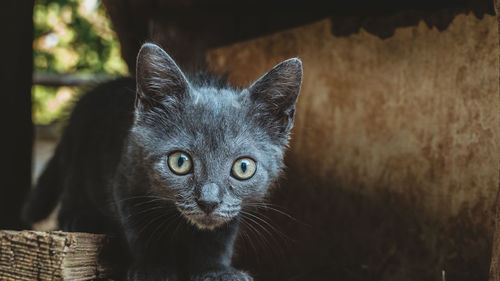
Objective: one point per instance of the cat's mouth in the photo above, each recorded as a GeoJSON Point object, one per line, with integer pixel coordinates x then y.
{"type": "Point", "coordinates": [207, 221]}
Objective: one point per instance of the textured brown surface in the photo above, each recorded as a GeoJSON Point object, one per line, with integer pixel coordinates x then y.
{"type": "Point", "coordinates": [495, 255]}
{"type": "Point", "coordinates": [393, 167]}
{"type": "Point", "coordinates": [32, 255]}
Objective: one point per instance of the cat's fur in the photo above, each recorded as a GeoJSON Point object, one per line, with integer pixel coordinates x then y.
{"type": "Point", "coordinates": [112, 173]}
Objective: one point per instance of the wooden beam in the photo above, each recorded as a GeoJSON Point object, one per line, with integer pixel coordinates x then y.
{"type": "Point", "coordinates": [56, 80]}
{"type": "Point", "coordinates": [33, 255]}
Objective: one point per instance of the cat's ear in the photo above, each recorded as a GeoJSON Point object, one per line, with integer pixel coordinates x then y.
{"type": "Point", "coordinates": [159, 79]}
{"type": "Point", "coordinates": [275, 94]}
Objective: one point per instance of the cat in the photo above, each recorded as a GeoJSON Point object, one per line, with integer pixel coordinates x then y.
{"type": "Point", "coordinates": [167, 163]}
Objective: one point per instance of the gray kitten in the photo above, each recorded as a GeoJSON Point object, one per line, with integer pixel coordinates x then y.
{"type": "Point", "coordinates": [169, 167]}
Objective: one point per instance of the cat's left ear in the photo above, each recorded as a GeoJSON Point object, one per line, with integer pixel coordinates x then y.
{"type": "Point", "coordinates": [275, 94]}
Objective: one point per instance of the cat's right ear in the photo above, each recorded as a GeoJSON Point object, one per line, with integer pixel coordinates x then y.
{"type": "Point", "coordinates": [274, 96]}
{"type": "Point", "coordinates": [159, 80]}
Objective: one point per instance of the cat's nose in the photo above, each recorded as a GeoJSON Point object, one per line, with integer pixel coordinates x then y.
{"type": "Point", "coordinates": [208, 199]}
{"type": "Point", "coordinates": [208, 206]}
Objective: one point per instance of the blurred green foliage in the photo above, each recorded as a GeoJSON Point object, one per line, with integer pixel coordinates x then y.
{"type": "Point", "coordinates": [71, 36]}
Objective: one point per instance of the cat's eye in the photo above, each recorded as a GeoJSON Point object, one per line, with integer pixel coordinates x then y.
{"type": "Point", "coordinates": [180, 163]}
{"type": "Point", "coordinates": [243, 168]}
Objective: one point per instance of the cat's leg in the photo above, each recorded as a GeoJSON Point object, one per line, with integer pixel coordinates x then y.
{"type": "Point", "coordinates": [210, 256]}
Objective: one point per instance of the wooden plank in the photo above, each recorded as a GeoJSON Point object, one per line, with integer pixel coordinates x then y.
{"type": "Point", "coordinates": [35, 255]}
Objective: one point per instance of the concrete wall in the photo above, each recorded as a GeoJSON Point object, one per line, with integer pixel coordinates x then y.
{"type": "Point", "coordinates": [393, 166]}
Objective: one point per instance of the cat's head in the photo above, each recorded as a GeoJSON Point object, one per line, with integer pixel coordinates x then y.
{"type": "Point", "coordinates": [212, 149]}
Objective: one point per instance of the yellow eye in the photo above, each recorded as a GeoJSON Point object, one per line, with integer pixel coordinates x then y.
{"type": "Point", "coordinates": [243, 168]}
{"type": "Point", "coordinates": [180, 163]}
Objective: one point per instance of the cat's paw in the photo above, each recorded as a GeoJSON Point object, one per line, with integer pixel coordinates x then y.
{"type": "Point", "coordinates": [226, 274]}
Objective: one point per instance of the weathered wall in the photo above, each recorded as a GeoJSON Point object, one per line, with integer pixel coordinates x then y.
{"type": "Point", "coordinates": [495, 253]}
{"type": "Point", "coordinates": [393, 167]}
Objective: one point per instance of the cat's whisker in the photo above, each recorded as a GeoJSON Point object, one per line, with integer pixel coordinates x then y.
{"type": "Point", "coordinates": [139, 197]}
{"type": "Point", "coordinates": [138, 219]}
{"type": "Point", "coordinates": [190, 213]}
{"type": "Point", "coordinates": [258, 234]}
{"type": "Point", "coordinates": [268, 206]}
{"type": "Point", "coordinates": [161, 227]}
{"type": "Point", "coordinates": [147, 210]}
{"type": "Point", "coordinates": [157, 200]}
{"type": "Point", "coordinates": [276, 242]}
{"type": "Point", "coordinates": [154, 200]}
{"type": "Point", "coordinates": [179, 223]}
{"type": "Point", "coordinates": [256, 220]}
{"type": "Point", "coordinates": [179, 220]}
{"type": "Point", "coordinates": [230, 213]}
{"type": "Point", "coordinates": [185, 204]}
{"type": "Point", "coordinates": [116, 202]}
{"type": "Point", "coordinates": [155, 219]}
{"type": "Point", "coordinates": [248, 239]}
{"type": "Point", "coordinates": [272, 227]}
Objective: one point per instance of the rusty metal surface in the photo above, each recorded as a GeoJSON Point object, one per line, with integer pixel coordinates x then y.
{"type": "Point", "coordinates": [393, 166]}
